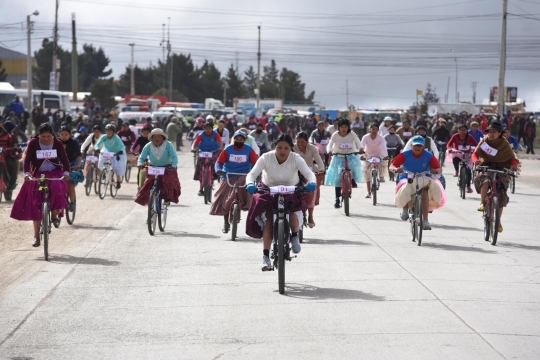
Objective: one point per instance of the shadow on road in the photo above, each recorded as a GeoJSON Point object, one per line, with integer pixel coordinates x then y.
{"type": "Point", "coordinates": [458, 248]}
{"type": "Point", "coordinates": [455, 227]}
{"type": "Point", "coordinates": [335, 242]}
{"type": "Point", "coordinates": [125, 197]}
{"type": "Point", "coordinates": [92, 227]}
{"type": "Point", "coordinates": [311, 292]}
{"type": "Point", "coordinates": [518, 246]}
{"type": "Point", "coordinates": [372, 217]}
{"type": "Point", "coordinates": [186, 234]}
{"type": "Point", "coordinates": [80, 260]}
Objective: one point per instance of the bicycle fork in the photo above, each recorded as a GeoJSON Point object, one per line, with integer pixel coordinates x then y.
{"type": "Point", "coordinates": [281, 214]}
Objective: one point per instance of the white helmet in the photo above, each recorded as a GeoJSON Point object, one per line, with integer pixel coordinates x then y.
{"type": "Point", "coordinates": [388, 118]}
{"type": "Point", "coordinates": [210, 117]}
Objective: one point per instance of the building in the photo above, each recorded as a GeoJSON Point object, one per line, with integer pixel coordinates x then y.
{"type": "Point", "coordinates": [15, 65]}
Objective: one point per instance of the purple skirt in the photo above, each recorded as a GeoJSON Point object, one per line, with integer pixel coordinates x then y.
{"type": "Point", "coordinates": [263, 202]}
{"type": "Point", "coordinates": [27, 205]}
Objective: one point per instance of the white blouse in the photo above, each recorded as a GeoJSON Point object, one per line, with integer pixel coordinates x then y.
{"type": "Point", "coordinates": [344, 145]}
{"type": "Point", "coordinates": [275, 174]}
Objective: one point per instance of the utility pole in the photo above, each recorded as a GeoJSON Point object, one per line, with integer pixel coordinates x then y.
{"type": "Point", "coordinates": [74, 60]}
{"type": "Point", "coordinates": [162, 44]}
{"type": "Point", "coordinates": [474, 92]}
{"type": "Point", "coordinates": [259, 73]}
{"type": "Point", "coordinates": [225, 92]}
{"type": "Point", "coordinates": [29, 70]}
{"type": "Point", "coordinates": [236, 60]}
{"type": "Point", "coordinates": [447, 91]}
{"type": "Point", "coordinates": [347, 91]}
{"type": "Point", "coordinates": [169, 59]}
{"type": "Point", "coordinates": [502, 62]}
{"type": "Point", "coordinates": [55, 48]}
{"type": "Point", "coordinates": [132, 82]}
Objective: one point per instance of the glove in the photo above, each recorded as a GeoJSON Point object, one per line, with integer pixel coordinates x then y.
{"type": "Point", "coordinates": [251, 188]}
{"type": "Point", "coordinates": [311, 187]}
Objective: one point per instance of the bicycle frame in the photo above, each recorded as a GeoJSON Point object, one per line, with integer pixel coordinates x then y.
{"type": "Point", "coordinates": [206, 172]}
{"type": "Point", "coordinates": [344, 171]}
{"type": "Point", "coordinates": [236, 199]}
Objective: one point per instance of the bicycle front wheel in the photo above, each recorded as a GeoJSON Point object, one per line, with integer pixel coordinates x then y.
{"type": "Point", "coordinates": [281, 255]}
{"type": "Point", "coordinates": [487, 222]}
{"type": "Point", "coordinates": [128, 173]}
{"type": "Point", "coordinates": [513, 184]}
{"type": "Point", "coordinates": [89, 178]}
{"type": "Point", "coordinates": [162, 215]}
{"type": "Point", "coordinates": [495, 220]}
{"type": "Point", "coordinates": [112, 186]}
{"type": "Point", "coordinates": [346, 192]}
{"type": "Point", "coordinates": [152, 214]}
{"type": "Point", "coordinates": [374, 187]}
{"type": "Point", "coordinates": [419, 219]}
{"type": "Point", "coordinates": [70, 215]}
{"type": "Point", "coordinates": [45, 228]}
{"type": "Point", "coordinates": [208, 194]}
{"type": "Point", "coordinates": [462, 182]}
{"type": "Point", "coordinates": [235, 220]}
{"type": "Point", "coordinates": [102, 188]}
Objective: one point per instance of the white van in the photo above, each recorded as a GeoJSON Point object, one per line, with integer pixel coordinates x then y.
{"type": "Point", "coordinates": [53, 100]}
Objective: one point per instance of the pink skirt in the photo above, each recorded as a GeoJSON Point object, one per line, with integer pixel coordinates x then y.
{"type": "Point", "coordinates": [27, 205]}
{"type": "Point", "coordinates": [432, 206]}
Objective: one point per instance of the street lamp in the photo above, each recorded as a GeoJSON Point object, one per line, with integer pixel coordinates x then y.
{"type": "Point", "coordinates": [455, 58]}
{"type": "Point", "coordinates": [29, 70]}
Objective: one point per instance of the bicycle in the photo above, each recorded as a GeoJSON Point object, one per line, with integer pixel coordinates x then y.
{"type": "Point", "coordinates": [91, 174]}
{"type": "Point", "coordinates": [513, 183]}
{"type": "Point", "coordinates": [321, 148]}
{"type": "Point", "coordinates": [462, 174]}
{"type": "Point", "coordinates": [45, 229]}
{"type": "Point", "coordinates": [392, 152]}
{"type": "Point", "coordinates": [281, 247]}
{"type": "Point", "coordinates": [346, 181]}
{"type": "Point", "coordinates": [207, 175]}
{"type": "Point", "coordinates": [106, 175]}
{"type": "Point", "coordinates": [374, 177]}
{"type": "Point", "coordinates": [157, 209]}
{"type": "Point", "coordinates": [236, 206]}
{"type": "Point", "coordinates": [442, 151]}
{"type": "Point", "coordinates": [416, 217]}
{"type": "Point", "coordinates": [491, 213]}
{"type": "Point", "coordinates": [5, 177]}
{"type": "Point", "coordinates": [70, 214]}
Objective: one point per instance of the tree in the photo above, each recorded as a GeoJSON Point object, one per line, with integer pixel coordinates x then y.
{"type": "Point", "coordinates": [103, 89]}
{"type": "Point", "coordinates": [92, 63]}
{"type": "Point", "coordinates": [145, 81]}
{"type": "Point", "coordinates": [311, 97]}
{"type": "Point", "coordinates": [270, 82]}
{"type": "Point", "coordinates": [176, 95]}
{"type": "Point", "coordinates": [293, 89]}
{"type": "Point", "coordinates": [430, 97]}
{"type": "Point", "coordinates": [185, 77]}
{"type": "Point", "coordinates": [235, 85]}
{"type": "Point", "coordinates": [211, 82]}
{"type": "Point", "coordinates": [250, 82]}
{"type": "Point", "coordinates": [3, 74]}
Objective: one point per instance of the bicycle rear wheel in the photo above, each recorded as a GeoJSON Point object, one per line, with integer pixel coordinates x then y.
{"type": "Point", "coordinates": [162, 215]}
{"type": "Point", "coordinates": [70, 215]}
{"type": "Point", "coordinates": [102, 188]}
{"type": "Point", "coordinates": [487, 221]}
{"type": "Point", "coordinates": [419, 219]}
{"type": "Point", "coordinates": [374, 187]}
{"type": "Point", "coordinates": [495, 220]}
{"type": "Point", "coordinates": [208, 194]}
{"type": "Point", "coordinates": [45, 228]}
{"type": "Point", "coordinates": [152, 214]}
{"type": "Point", "coordinates": [346, 192]}
{"type": "Point", "coordinates": [128, 173]}
{"type": "Point", "coordinates": [462, 182]}
{"type": "Point", "coordinates": [96, 182]}
{"type": "Point", "coordinates": [89, 178]}
{"type": "Point", "coordinates": [234, 221]}
{"type": "Point", "coordinates": [512, 185]}
{"type": "Point", "coordinates": [281, 255]}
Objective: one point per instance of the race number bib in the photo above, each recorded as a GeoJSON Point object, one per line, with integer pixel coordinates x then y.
{"type": "Point", "coordinates": [251, 127]}
{"type": "Point", "coordinates": [204, 154]}
{"type": "Point", "coordinates": [238, 158]}
{"type": "Point", "coordinates": [488, 149]}
{"type": "Point", "coordinates": [156, 170]}
{"type": "Point", "coordinates": [324, 142]}
{"type": "Point", "coordinates": [107, 155]}
{"type": "Point", "coordinates": [374, 160]}
{"type": "Point", "coordinates": [124, 138]}
{"type": "Point", "coordinates": [407, 133]}
{"type": "Point", "coordinates": [346, 146]}
{"type": "Point", "coordinates": [464, 147]}
{"type": "Point", "coordinates": [46, 154]}
{"type": "Point", "coordinates": [259, 143]}
{"type": "Point", "coordinates": [91, 158]}
{"type": "Point", "coordinates": [274, 190]}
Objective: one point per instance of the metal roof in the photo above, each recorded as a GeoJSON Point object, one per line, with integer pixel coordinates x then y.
{"type": "Point", "coordinates": [7, 54]}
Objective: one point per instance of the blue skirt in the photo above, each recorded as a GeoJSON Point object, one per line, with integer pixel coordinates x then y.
{"type": "Point", "coordinates": [333, 174]}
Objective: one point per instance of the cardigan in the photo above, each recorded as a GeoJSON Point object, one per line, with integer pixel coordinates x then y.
{"type": "Point", "coordinates": [311, 157]}
{"type": "Point", "coordinates": [276, 174]}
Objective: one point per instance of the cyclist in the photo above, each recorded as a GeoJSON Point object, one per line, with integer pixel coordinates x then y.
{"type": "Point", "coordinates": [320, 135]}
{"type": "Point", "coordinates": [343, 142]}
{"type": "Point", "coordinates": [73, 151]}
{"type": "Point", "coordinates": [272, 129]}
{"type": "Point", "coordinates": [196, 130]}
{"type": "Point", "coordinates": [81, 138]}
{"type": "Point", "coordinates": [7, 141]}
{"type": "Point", "coordinates": [441, 135]}
{"type": "Point", "coordinates": [385, 128]}
{"type": "Point", "coordinates": [475, 132]}
{"type": "Point", "coordinates": [261, 138]}
{"type": "Point", "coordinates": [374, 145]}
{"type": "Point", "coordinates": [250, 140]}
{"type": "Point", "coordinates": [239, 158]}
{"type": "Point", "coordinates": [160, 152]}
{"type": "Point", "coordinates": [418, 160]}
{"type": "Point", "coordinates": [207, 141]}
{"type": "Point", "coordinates": [502, 158]}
{"type": "Point", "coordinates": [311, 156]}
{"type": "Point", "coordinates": [278, 167]}
{"type": "Point", "coordinates": [514, 144]}
{"type": "Point", "coordinates": [88, 145]}
{"type": "Point", "coordinates": [429, 143]}
{"type": "Point", "coordinates": [112, 143]}
{"type": "Point", "coordinates": [127, 136]}
{"type": "Point", "coordinates": [334, 127]}
{"type": "Point", "coordinates": [393, 141]}
{"type": "Point", "coordinates": [223, 132]}
{"type": "Point", "coordinates": [27, 205]}
{"type": "Point", "coordinates": [464, 142]}
{"type": "Point", "coordinates": [406, 131]}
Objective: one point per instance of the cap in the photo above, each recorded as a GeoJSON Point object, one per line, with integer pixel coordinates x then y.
{"type": "Point", "coordinates": [388, 118]}
{"type": "Point", "coordinates": [418, 140]}
{"type": "Point", "coordinates": [240, 133]}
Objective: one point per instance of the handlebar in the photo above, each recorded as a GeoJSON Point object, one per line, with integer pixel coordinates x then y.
{"type": "Point", "coordinates": [264, 190]}
{"type": "Point", "coordinates": [487, 169]}
{"type": "Point", "coordinates": [342, 154]}
{"type": "Point", "coordinates": [231, 173]}
{"type": "Point", "coordinates": [44, 178]}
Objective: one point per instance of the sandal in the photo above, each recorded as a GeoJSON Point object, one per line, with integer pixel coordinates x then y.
{"type": "Point", "coordinates": [36, 243]}
{"type": "Point", "coordinates": [311, 225]}
{"type": "Point", "coordinates": [56, 222]}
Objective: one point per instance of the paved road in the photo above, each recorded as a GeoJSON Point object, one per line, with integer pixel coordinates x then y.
{"type": "Point", "coordinates": [360, 287]}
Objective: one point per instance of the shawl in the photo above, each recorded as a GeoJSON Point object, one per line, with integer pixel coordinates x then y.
{"type": "Point", "coordinates": [503, 156]}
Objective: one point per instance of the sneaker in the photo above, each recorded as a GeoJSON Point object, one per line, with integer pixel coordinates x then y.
{"type": "Point", "coordinates": [201, 193]}
{"type": "Point", "coordinates": [481, 207]}
{"type": "Point", "coordinates": [71, 207]}
{"type": "Point", "coordinates": [426, 225]}
{"type": "Point", "coordinates": [337, 204]}
{"type": "Point", "coordinates": [36, 243]}
{"type": "Point", "coordinates": [118, 185]}
{"type": "Point", "coordinates": [266, 264]}
{"type": "Point", "coordinates": [469, 190]}
{"type": "Point", "coordinates": [368, 196]}
{"type": "Point", "coordinates": [404, 214]}
{"type": "Point", "coordinates": [226, 227]}
{"type": "Point", "coordinates": [295, 244]}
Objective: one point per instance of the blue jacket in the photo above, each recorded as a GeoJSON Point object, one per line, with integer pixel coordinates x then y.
{"type": "Point", "coordinates": [477, 136]}
{"type": "Point", "coordinates": [17, 107]}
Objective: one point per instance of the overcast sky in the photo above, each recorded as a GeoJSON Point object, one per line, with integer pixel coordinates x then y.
{"type": "Point", "coordinates": [386, 49]}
